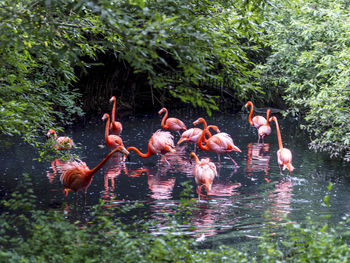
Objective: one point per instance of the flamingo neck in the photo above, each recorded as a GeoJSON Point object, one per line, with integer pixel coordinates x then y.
{"type": "Point", "coordinates": [113, 110]}
{"type": "Point", "coordinates": [202, 138]}
{"type": "Point", "coordinates": [251, 113]}
{"type": "Point", "coordinates": [99, 166]}
{"type": "Point", "coordinates": [107, 129]}
{"type": "Point", "coordinates": [268, 117]}
{"type": "Point", "coordinates": [193, 155]}
{"type": "Point", "coordinates": [164, 118]}
{"type": "Point", "coordinates": [280, 145]}
{"type": "Point", "coordinates": [143, 155]}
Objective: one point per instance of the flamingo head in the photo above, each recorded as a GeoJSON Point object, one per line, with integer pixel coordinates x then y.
{"type": "Point", "coordinates": [112, 99]}
{"type": "Point", "coordinates": [51, 131]}
{"type": "Point", "coordinates": [192, 156]}
{"type": "Point", "coordinates": [199, 120]}
{"type": "Point", "coordinates": [162, 110]}
{"type": "Point", "coordinates": [214, 127]}
{"type": "Point", "coordinates": [249, 103]}
{"type": "Point", "coordinates": [273, 118]}
{"type": "Point", "coordinates": [105, 116]}
{"type": "Point", "coordinates": [122, 149]}
{"type": "Point", "coordinates": [289, 166]}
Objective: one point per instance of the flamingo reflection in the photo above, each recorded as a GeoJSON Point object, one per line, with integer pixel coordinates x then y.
{"type": "Point", "coordinates": [258, 158]}
{"type": "Point", "coordinates": [113, 171]}
{"type": "Point", "coordinates": [282, 198]}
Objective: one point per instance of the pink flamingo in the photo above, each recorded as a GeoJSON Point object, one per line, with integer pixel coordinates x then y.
{"type": "Point", "coordinates": [192, 136]}
{"type": "Point", "coordinates": [62, 143]}
{"type": "Point", "coordinates": [265, 129]}
{"type": "Point", "coordinates": [257, 121]}
{"type": "Point", "coordinates": [161, 142]}
{"type": "Point", "coordinates": [116, 126]}
{"type": "Point", "coordinates": [219, 143]}
{"type": "Point", "coordinates": [112, 141]}
{"type": "Point", "coordinates": [77, 176]}
{"type": "Point", "coordinates": [204, 173]}
{"type": "Point", "coordinates": [284, 155]}
{"type": "Point", "coordinates": [171, 124]}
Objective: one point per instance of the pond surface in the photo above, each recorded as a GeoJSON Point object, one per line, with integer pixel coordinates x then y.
{"type": "Point", "coordinates": [241, 202]}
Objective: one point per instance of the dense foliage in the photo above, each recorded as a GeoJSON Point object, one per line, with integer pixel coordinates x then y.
{"type": "Point", "coordinates": [28, 234]}
{"type": "Point", "coordinates": [309, 64]}
{"type": "Point", "coordinates": [43, 42]}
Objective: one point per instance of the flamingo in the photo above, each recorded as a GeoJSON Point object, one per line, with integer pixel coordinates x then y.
{"type": "Point", "coordinates": [112, 141]}
{"type": "Point", "coordinates": [161, 142]}
{"type": "Point", "coordinates": [171, 124]}
{"type": "Point", "coordinates": [77, 176]}
{"type": "Point", "coordinates": [204, 173]}
{"type": "Point", "coordinates": [257, 121]}
{"type": "Point", "coordinates": [62, 143]}
{"type": "Point", "coordinates": [284, 155]}
{"type": "Point", "coordinates": [265, 129]}
{"type": "Point", "coordinates": [219, 143]}
{"type": "Point", "coordinates": [116, 126]}
{"type": "Point", "coordinates": [192, 135]}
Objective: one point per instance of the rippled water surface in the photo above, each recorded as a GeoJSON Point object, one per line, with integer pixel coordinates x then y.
{"type": "Point", "coordinates": [242, 199]}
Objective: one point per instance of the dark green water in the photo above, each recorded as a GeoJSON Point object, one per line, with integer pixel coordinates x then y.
{"type": "Point", "coordinates": [242, 200]}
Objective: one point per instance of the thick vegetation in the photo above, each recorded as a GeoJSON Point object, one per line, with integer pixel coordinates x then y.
{"type": "Point", "coordinates": [310, 65]}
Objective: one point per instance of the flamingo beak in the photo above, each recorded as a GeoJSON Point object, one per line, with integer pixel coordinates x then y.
{"type": "Point", "coordinates": [235, 148]}
{"type": "Point", "coordinates": [181, 140]}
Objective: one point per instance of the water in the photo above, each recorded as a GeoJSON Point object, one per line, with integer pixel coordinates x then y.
{"type": "Point", "coordinates": [242, 201]}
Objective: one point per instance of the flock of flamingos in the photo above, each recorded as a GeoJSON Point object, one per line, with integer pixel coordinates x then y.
{"type": "Point", "coordinates": [76, 175]}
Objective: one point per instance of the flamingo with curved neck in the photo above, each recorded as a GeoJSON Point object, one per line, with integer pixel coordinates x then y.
{"type": "Point", "coordinates": [161, 142]}
{"type": "Point", "coordinates": [284, 155]}
{"type": "Point", "coordinates": [219, 143]}
{"type": "Point", "coordinates": [204, 173]}
{"type": "Point", "coordinates": [77, 176]}
{"type": "Point", "coordinates": [116, 126]}
{"type": "Point", "coordinates": [257, 121]}
{"type": "Point", "coordinates": [265, 130]}
{"type": "Point", "coordinates": [62, 142]}
{"type": "Point", "coordinates": [112, 141]}
{"type": "Point", "coordinates": [171, 124]}
{"type": "Point", "coordinates": [192, 136]}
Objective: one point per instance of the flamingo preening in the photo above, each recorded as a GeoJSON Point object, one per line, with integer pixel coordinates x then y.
{"type": "Point", "coordinates": [77, 176]}
{"type": "Point", "coordinates": [161, 142]}
{"type": "Point", "coordinates": [62, 143]}
{"type": "Point", "coordinates": [219, 143]}
{"type": "Point", "coordinates": [192, 136]}
{"type": "Point", "coordinates": [284, 155]}
{"type": "Point", "coordinates": [171, 124]}
{"type": "Point", "coordinates": [204, 173]}
{"type": "Point", "coordinates": [265, 129]}
{"type": "Point", "coordinates": [116, 126]}
{"type": "Point", "coordinates": [257, 121]}
{"type": "Point", "coordinates": [112, 141]}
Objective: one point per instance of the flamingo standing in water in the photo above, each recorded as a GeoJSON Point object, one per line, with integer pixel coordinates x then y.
{"type": "Point", "coordinates": [116, 126]}
{"type": "Point", "coordinates": [265, 129]}
{"type": "Point", "coordinates": [257, 121]}
{"type": "Point", "coordinates": [62, 143]}
{"type": "Point", "coordinates": [77, 176]}
{"type": "Point", "coordinates": [161, 142]}
{"type": "Point", "coordinates": [192, 135]}
{"type": "Point", "coordinates": [204, 173]}
{"type": "Point", "coordinates": [112, 141]}
{"type": "Point", "coordinates": [284, 155]}
{"type": "Point", "coordinates": [219, 143]}
{"type": "Point", "coordinates": [171, 124]}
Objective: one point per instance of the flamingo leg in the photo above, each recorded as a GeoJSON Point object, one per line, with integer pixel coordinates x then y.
{"type": "Point", "coordinates": [232, 159]}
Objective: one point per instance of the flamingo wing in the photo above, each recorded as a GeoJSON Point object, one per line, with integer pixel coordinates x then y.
{"type": "Point", "coordinates": [258, 121]}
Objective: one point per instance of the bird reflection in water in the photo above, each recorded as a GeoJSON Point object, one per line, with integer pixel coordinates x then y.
{"type": "Point", "coordinates": [282, 198]}
{"type": "Point", "coordinates": [115, 168]}
{"type": "Point", "coordinates": [258, 159]}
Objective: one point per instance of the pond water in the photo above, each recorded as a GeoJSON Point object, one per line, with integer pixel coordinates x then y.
{"type": "Point", "coordinates": [241, 202]}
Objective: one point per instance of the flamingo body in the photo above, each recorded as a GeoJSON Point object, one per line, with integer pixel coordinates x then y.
{"type": "Point", "coordinates": [161, 142]}
{"type": "Point", "coordinates": [112, 141]}
{"type": "Point", "coordinates": [257, 121]}
{"type": "Point", "coordinates": [171, 124]}
{"type": "Point", "coordinates": [116, 126]}
{"type": "Point", "coordinates": [204, 172]}
{"type": "Point", "coordinates": [63, 143]}
{"type": "Point", "coordinates": [265, 129]}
